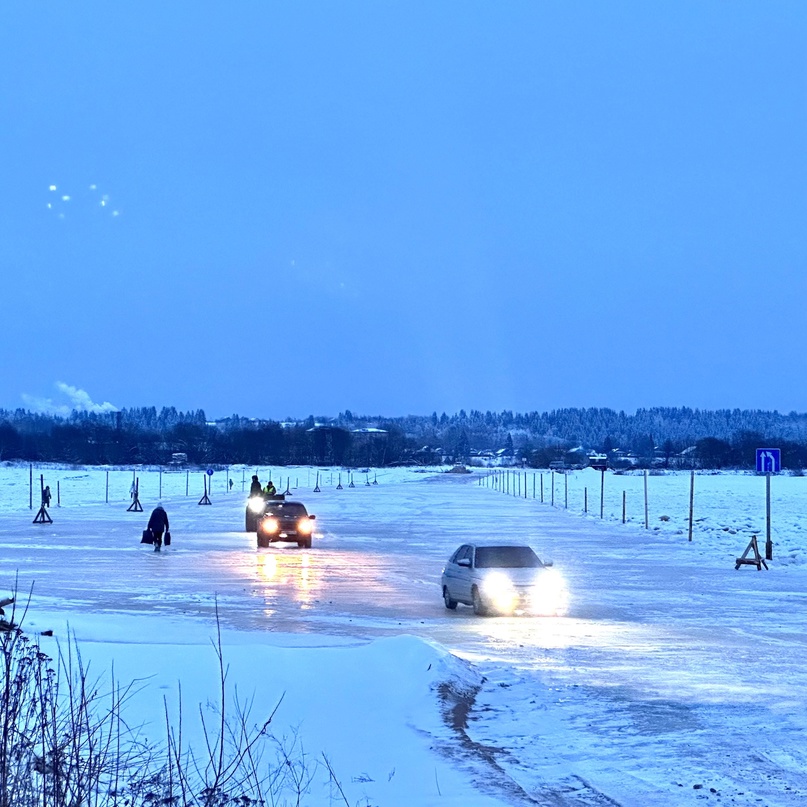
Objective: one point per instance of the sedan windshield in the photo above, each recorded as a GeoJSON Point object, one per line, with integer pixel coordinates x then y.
{"type": "Point", "coordinates": [506, 557]}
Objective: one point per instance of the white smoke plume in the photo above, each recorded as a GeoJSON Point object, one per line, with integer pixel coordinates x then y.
{"type": "Point", "coordinates": [77, 399]}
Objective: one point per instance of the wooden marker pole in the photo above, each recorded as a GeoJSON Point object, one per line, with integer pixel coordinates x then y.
{"type": "Point", "coordinates": [691, 502]}
{"type": "Point", "coordinates": [602, 492]}
{"type": "Point", "coordinates": [42, 516]}
{"type": "Point", "coordinates": [624, 506]}
{"type": "Point", "coordinates": [646, 521]}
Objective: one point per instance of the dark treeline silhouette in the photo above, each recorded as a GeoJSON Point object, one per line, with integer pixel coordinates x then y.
{"type": "Point", "coordinates": [716, 438]}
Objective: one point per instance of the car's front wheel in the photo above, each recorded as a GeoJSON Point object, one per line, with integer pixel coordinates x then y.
{"type": "Point", "coordinates": [263, 543]}
{"type": "Point", "coordinates": [450, 604]}
{"type": "Point", "coordinates": [480, 609]}
{"type": "Point", "coordinates": [305, 543]}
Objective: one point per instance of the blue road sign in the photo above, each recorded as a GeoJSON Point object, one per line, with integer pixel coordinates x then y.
{"type": "Point", "coordinates": [210, 471]}
{"type": "Point", "coordinates": [769, 460]}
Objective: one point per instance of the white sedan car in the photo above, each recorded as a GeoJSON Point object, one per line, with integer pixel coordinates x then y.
{"type": "Point", "coordinates": [503, 579]}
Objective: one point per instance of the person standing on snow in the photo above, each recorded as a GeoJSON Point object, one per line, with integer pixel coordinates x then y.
{"type": "Point", "coordinates": [158, 524]}
{"type": "Point", "coordinates": [255, 489]}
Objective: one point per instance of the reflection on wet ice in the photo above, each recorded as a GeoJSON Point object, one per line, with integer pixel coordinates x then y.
{"type": "Point", "coordinates": [287, 574]}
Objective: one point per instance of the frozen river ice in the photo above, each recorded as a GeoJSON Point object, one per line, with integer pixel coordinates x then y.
{"type": "Point", "coordinates": [673, 680]}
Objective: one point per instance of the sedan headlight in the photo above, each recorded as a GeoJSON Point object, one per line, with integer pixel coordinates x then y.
{"type": "Point", "coordinates": [499, 591]}
{"type": "Point", "coordinates": [269, 525]}
{"type": "Point", "coordinates": [549, 595]}
{"type": "Point", "coordinates": [256, 504]}
{"type": "Point", "coordinates": [305, 526]}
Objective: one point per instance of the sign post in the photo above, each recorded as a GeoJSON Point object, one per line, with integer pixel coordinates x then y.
{"type": "Point", "coordinates": [768, 542]}
{"type": "Point", "coordinates": [769, 461]}
{"type": "Point", "coordinates": [208, 475]}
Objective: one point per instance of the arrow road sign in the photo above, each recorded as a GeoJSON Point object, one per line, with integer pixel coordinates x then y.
{"type": "Point", "coordinates": [769, 460]}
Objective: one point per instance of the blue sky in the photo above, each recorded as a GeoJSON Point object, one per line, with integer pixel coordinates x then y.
{"type": "Point", "coordinates": [281, 209]}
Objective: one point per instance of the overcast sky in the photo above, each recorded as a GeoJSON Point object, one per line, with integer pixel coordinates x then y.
{"type": "Point", "coordinates": [291, 208]}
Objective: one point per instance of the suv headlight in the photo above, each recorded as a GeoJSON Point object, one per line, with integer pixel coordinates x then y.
{"type": "Point", "coordinates": [269, 525]}
{"type": "Point", "coordinates": [305, 526]}
{"type": "Point", "coordinates": [256, 504]}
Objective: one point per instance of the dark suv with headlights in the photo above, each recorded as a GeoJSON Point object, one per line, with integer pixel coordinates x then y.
{"type": "Point", "coordinates": [285, 521]}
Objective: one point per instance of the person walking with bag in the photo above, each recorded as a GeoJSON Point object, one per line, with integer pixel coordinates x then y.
{"type": "Point", "coordinates": [158, 524]}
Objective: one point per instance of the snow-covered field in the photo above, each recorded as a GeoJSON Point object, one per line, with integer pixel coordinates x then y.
{"type": "Point", "coordinates": [674, 680]}
{"type": "Point", "coordinates": [728, 508]}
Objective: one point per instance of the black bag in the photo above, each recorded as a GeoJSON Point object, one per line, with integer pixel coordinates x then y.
{"type": "Point", "coordinates": [167, 538]}
{"type": "Point", "coordinates": [148, 537]}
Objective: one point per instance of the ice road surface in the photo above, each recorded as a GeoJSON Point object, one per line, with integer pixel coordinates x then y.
{"type": "Point", "coordinates": [674, 679]}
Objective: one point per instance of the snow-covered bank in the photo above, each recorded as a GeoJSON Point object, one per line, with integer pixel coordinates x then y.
{"type": "Point", "coordinates": [373, 710]}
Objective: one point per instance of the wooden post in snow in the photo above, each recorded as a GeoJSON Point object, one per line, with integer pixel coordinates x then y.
{"type": "Point", "coordinates": [646, 521]}
{"type": "Point", "coordinates": [691, 502]}
{"type": "Point", "coordinates": [602, 492]}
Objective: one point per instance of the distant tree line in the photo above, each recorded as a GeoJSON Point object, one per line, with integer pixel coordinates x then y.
{"type": "Point", "coordinates": [661, 436]}
{"type": "Point", "coordinates": [146, 436]}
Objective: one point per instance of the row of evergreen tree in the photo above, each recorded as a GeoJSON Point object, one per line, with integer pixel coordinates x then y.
{"type": "Point", "coordinates": [721, 438]}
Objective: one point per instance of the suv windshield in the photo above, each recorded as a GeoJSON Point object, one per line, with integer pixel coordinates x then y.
{"type": "Point", "coordinates": [287, 509]}
{"type": "Point", "coordinates": [506, 557]}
